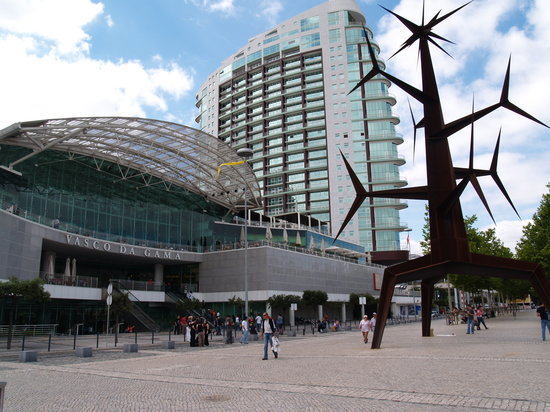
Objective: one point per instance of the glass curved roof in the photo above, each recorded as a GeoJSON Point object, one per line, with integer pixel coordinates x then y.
{"type": "Point", "coordinates": [175, 153]}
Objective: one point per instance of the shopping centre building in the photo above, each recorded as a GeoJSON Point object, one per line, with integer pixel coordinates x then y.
{"type": "Point", "coordinates": [140, 203]}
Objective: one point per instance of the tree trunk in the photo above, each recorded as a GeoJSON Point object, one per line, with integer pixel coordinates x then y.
{"type": "Point", "coordinates": [10, 322]}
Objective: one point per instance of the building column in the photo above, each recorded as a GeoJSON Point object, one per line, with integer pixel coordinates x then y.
{"type": "Point", "coordinates": [48, 262]}
{"type": "Point", "coordinates": [343, 314]}
{"type": "Point", "coordinates": [159, 273]}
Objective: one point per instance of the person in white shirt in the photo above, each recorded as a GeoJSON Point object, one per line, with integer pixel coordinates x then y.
{"type": "Point", "coordinates": [246, 332]}
{"type": "Point", "coordinates": [365, 326]}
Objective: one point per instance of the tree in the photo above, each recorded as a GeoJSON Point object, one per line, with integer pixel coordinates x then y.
{"type": "Point", "coordinates": [425, 244]}
{"type": "Point", "coordinates": [483, 242]}
{"type": "Point", "coordinates": [121, 305]}
{"type": "Point", "coordinates": [235, 301]}
{"type": "Point", "coordinates": [534, 245]}
{"type": "Point", "coordinates": [314, 298]}
{"type": "Point", "coordinates": [15, 289]}
{"type": "Point", "coordinates": [370, 307]}
{"type": "Point", "coordinates": [283, 301]}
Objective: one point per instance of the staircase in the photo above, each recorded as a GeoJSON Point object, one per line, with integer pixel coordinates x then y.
{"type": "Point", "coordinates": [137, 308]}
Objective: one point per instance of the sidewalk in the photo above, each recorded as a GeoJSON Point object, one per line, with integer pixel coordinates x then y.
{"type": "Point", "coordinates": [503, 368]}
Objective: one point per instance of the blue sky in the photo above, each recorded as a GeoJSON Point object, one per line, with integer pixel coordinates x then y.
{"type": "Point", "coordinates": [65, 58]}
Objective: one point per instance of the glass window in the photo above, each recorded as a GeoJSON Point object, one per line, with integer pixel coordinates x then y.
{"type": "Point", "coordinates": [295, 156]}
{"type": "Point", "coordinates": [334, 36]}
{"type": "Point", "coordinates": [310, 23]}
{"type": "Point", "coordinates": [333, 18]}
{"type": "Point", "coordinates": [355, 35]}
{"type": "Point", "coordinates": [254, 56]}
{"type": "Point", "coordinates": [296, 177]}
{"type": "Point", "coordinates": [271, 50]}
{"type": "Point", "coordinates": [310, 40]}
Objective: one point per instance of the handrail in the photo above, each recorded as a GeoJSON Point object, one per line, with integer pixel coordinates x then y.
{"type": "Point", "coordinates": [136, 311]}
{"type": "Point", "coordinates": [29, 330]}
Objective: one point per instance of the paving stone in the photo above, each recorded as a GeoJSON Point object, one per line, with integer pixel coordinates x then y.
{"type": "Point", "coordinates": [504, 368]}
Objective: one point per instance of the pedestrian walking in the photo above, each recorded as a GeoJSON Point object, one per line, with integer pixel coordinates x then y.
{"type": "Point", "coordinates": [279, 322]}
{"type": "Point", "coordinates": [245, 330]}
{"type": "Point", "coordinates": [373, 321]}
{"type": "Point", "coordinates": [543, 315]}
{"type": "Point", "coordinates": [365, 327]}
{"type": "Point", "coordinates": [268, 328]}
{"type": "Point", "coordinates": [229, 330]}
{"type": "Point", "coordinates": [470, 321]}
{"type": "Point", "coordinates": [479, 317]}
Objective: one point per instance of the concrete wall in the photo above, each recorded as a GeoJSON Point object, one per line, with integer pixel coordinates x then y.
{"type": "Point", "coordinates": [282, 270]}
{"type": "Point", "coordinates": [20, 247]}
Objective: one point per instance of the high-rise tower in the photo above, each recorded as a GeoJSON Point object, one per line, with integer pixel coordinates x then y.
{"type": "Point", "coordinates": [285, 96]}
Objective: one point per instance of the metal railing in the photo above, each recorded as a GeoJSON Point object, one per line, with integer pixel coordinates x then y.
{"type": "Point", "coordinates": [148, 286]}
{"type": "Point", "coordinates": [68, 280]}
{"type": "Point", "coordinates": [29, 330]}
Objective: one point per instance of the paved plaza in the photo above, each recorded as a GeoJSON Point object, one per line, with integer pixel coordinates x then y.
{"type": "Point", "coordinates": [506, 367]}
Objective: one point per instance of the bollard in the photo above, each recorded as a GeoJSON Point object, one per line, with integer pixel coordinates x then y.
{"type": "Point", "coordinates": [97, 340]}
{"type": "Point", "coordinates": [49, 344]}
{"type": "Point", "coordinates": [28, 356]}
{"type": "Point", "coordinates": [2, 390]}
{"type": "Point", "coordinates": [130, 347]}
{"type": "Point", "coordinates": [74, 341]}
{"type": "Point", "coordinates": [23, 343]}
{"type": "Point", "coordinates": [84, 352]}
{"type": "Point", "coordinates": [153, 337]}
{"type": "Point", "coordinates": [169, 344]}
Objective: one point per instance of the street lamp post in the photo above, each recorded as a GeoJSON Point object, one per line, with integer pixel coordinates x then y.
{"type": "Point", "coordinates": [245, 153]}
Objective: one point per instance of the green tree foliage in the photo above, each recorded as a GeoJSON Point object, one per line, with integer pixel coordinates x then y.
{"type": "Point", "coordinates": [483, 242]}
{"type": "Point", "coordinates": [32, 290]}
{"type": "Point", "coordinates": [314, 298]}
{"type": "Point", "coordinates": [283, 301]}
{"type": "Point", "coordinates": [185, 305]}
{"type": "Point", "coordinates": [370, 307]}
{"type": "Point", "coordinates": [486, 243]}
{"type": "Point", "coordinates": [119, 307]}
{"type": "Point", "coordinates": [534, 245]}
{"type": "Point", "coordinates": [236, 302]}
{"type": "Point", "coordinates": [13, 290]}
{"type": "Point", "coordinates": [425, 244]}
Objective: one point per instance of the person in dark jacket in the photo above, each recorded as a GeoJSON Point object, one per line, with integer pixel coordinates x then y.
{"type": "Point", "coordinates": [268, 328]}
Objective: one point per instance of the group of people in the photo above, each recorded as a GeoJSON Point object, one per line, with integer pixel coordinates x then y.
{"type": "Point", "coordinates": [474, 317]}
{"type": "Point", "coordinates": [197, 329]}
{"type": "Point", "coordinates": [367, 325]}
{"type": "Point", "coordinates": [263, 324]}
{"type": "Point", "coordinates": [194, 329]}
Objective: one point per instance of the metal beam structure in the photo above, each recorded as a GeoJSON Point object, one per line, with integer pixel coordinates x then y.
{"type": "Point", "coordinates": [176, 154]}
{"type": "Point", "coordinates": [450, 251]}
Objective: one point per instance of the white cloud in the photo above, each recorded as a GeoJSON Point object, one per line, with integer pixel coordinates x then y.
{"type": "Point", "coordinates": [43, 81]}
{"type": "Point", "coordinates": [486, 34]}
{"type": "Point", "coordinates": [109, 20]}
{"type": "Point", "coordinates": [270, 10]}
{"type": "Point", "coordinates": [225, 6]}
{"type": "Point", "coordinates": [58, 21]}
{"type": "Point", "coordinates": [509, 231]}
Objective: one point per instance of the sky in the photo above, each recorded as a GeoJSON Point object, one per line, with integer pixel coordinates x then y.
{"type": "Point", "coordinates": [139, 58]}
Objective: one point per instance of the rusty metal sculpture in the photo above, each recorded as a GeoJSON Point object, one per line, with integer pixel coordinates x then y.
{"type": "Point", "coordinates": [449, 246]}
